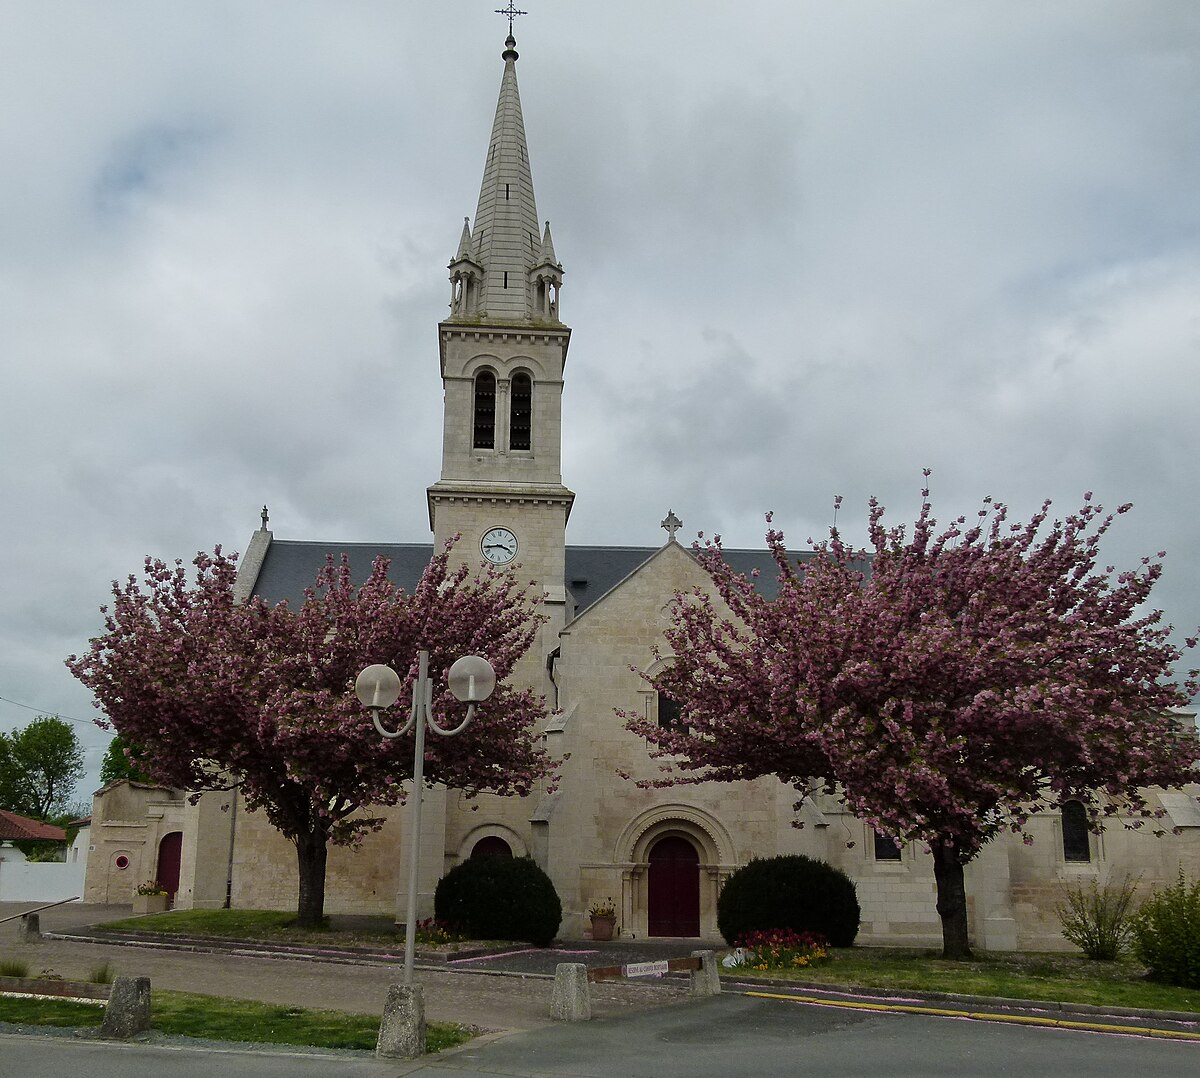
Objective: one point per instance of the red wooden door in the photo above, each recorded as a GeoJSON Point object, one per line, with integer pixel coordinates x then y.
{"type": "Point", "coordinates": [170, 850]}
{"type": "Point", "coordinates": [674, 890]}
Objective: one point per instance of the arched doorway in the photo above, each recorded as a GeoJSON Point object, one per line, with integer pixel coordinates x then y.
{"type": "Point", "coordinates": [674, 888]}
{"type": "Point", "coordinates": [170, 851]}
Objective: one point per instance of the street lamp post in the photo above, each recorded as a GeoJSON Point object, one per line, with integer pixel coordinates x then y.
{"type": "Point", "coordinates": [471, 680]}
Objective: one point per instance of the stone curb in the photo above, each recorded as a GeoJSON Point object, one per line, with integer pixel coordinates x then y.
{"type": "Point", "coordinates": [207, 943]}
{"type": "Point", "coordinates": [1005, 1003]}
{"type": "Point", "coordinates": [42, 986]}
{"type": "Point", "coordinates": [246, 948]}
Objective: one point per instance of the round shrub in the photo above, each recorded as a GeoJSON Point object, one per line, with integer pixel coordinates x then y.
{"type": "Point", "coordinates": [1166, 934]}
{"type": "Point", "coordinates": [499, 898]}
{"type": "Point", "coordinates": [792, 891]}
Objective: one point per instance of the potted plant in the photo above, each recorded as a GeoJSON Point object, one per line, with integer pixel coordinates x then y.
{"type": "Point", "coordinates": [149, 897]}
{"type": "Point", "coordinates": [603, 913]}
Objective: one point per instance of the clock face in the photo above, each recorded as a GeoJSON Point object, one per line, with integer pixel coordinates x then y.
{"type": "Point", "coordinates": [499, 546]}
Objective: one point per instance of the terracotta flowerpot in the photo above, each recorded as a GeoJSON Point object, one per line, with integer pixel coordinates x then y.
{"type": "Point", "coordinates": [602, 927]}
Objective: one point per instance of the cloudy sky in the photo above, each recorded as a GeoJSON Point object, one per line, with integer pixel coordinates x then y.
{"type": "Point", "coordinates": [810, 249]}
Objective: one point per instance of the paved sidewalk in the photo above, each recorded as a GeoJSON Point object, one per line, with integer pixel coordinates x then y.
{"type": "Point", "coordinates": [498, 1000]}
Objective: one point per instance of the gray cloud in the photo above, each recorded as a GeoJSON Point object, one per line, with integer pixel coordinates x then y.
{"type": "Point", "coordinates": [809, 250]}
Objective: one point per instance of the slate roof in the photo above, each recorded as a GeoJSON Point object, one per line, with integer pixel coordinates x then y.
{"type": "Point", "coordinates": [591, 571]}
{"type": "Point", "coordinates": [15, 828]}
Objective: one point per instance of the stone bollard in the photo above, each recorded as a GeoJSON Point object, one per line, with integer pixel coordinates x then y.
{"type": "Point", "coordinates": [29, 930]}
{"type": "Point", "coordinates": [128, 1010]}
{"type": "Point", "coordinates": [705, 981]}
{"type": "Point", "coordinates": [402, 1031]}
{"type": "Point", "coordinates": [571, 1001]}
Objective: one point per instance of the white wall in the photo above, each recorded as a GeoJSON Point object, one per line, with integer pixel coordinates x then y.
{"type": "Point", "coordinates": [40, 881]}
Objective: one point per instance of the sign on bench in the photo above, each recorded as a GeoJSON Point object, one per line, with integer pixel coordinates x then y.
{"type": "Point", "coordinates": [571, 1000]}
{"type": "Point", "coordinates": [644, 969]}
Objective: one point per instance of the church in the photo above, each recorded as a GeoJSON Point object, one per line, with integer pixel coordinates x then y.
{"type": "Point", "coordinates": [661, 855]}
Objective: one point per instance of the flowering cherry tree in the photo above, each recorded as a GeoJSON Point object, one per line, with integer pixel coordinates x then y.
{"type": "Point", "coordinates": [946, 685]}
{"type": "Point", "coordinates": [218, 693]}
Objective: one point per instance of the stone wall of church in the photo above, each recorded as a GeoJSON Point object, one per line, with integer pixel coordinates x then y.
{"type": "Point", "coordinates": [1040, 873]}
{"type": "Point", "coordinates": [129, 820]}
{"type": "Point", "coordinates": [204, 864]}
{"type": "Point", "coordinates": [361, 879]}
{"type": "Point", "coordinates": [604, 823]}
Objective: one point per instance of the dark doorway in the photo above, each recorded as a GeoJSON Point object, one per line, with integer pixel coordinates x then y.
{"type": "Point", "coordinates": [170, 851]}
{"type": "Point", "coordinates": [491, 846]}
{"type": "Point", "coordinates": [674, 891]}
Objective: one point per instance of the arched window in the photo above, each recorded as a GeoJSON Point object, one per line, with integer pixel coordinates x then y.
{"type": "Point", "coordinates": [490, 846]}
{"type": "Point", "coordinates": [484, 425]}
{"type": "Point", "coordinates": [669, 716]}
{"type": "Point", "coordinates": [1075, 836]}
{"type": "Point", "coordinates": [520, 426]}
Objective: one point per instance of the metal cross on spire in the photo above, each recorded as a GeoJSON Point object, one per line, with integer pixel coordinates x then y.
{"type": "Point", "coordinates": [512, 12]}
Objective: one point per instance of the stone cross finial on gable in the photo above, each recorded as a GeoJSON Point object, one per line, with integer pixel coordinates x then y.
{"type": "Point", "coordinates": [671, 524]}
{"type": "Point", "coordinates": [512, 12]}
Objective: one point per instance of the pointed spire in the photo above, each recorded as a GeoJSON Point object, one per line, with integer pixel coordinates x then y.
{"type": "Point", "coordinates": [546, 257]}
{"type": "Point", "coordinates": [466, 249]}
{"type": "Point", "coordinates": [504, 241]}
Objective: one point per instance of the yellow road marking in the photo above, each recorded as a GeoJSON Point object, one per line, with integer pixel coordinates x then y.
{"type": "Point", "coordinates": [986, 1016]}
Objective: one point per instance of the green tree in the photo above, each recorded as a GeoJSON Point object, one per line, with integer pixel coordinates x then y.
{"type": "Point", "coordinates": [9, 787]}
{"type": "Point", "coordinates": [121, 762]}
{"type": "Point", "coordinates": [39, 767]}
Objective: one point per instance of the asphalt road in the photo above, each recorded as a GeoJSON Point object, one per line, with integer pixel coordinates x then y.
{"type": "Point", "coordinates": [715, 1038]}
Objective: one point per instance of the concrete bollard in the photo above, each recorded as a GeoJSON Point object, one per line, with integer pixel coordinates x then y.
{"type": "Point", "coordinates": [705, 981]}
{"type": "Point", "coordinates": [402, 1031]}
{"type": "Point", "coordinates": [29, 929]}
{"type": "Point", "coordinates": [571, 1000]}
{"type": "Point", "coordinates": [128, 1010]}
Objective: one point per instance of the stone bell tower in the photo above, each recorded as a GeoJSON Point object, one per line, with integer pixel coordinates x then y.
{"type": "Point", "coordinates": [503, 349]}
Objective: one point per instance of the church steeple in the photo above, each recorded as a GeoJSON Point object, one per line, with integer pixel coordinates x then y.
{"type": "Point", "coordinates": [503, 354]}
{"type": "Point", "coordinates": [505, 269]}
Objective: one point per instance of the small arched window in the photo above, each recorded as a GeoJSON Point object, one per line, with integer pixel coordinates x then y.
{"type": "Point", "coordinates": [520, 427]}
{"type": "Point", "coordinates": [1075, 835]}
{"type": "Point", "coordinates": [484, 425]}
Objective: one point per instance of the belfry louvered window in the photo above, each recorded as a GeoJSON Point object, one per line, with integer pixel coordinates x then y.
{"type": "Point", "coordinates": [520, 426]}
{"type": "Point", "coordinates": [484, 425]}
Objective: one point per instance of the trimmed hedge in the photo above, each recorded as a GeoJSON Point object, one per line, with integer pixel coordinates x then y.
{"type": "Point", "coordinates": [499, 898]}
{"type": "Point", "coordinates": [791, 891]}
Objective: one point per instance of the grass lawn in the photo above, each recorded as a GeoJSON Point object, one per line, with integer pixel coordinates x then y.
{"type": "Point", "coordinates": [214, 1018]}
{"type": "Point", "coordinates": [1066, 978]}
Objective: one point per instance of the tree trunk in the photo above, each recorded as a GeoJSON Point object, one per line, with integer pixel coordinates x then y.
{"type": "Point", "coordinates": [311, 853]}
{"type": "Point", "coordinates": [951, 902]}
